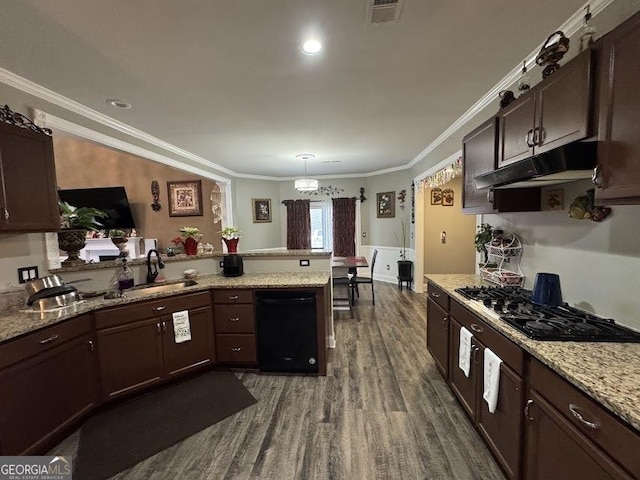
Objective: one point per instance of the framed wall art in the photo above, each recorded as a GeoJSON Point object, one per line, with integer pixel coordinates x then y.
{"type": "Point", "coordinates": [436, 196]}
{"type": "Point", "coordinates": [261, 210]}
{"type": "Point", "coordinates": [447, 197]}
{"type": "Point", "coordinates": [386, 204]}
{"type": "Point", "coordinates": [553, 199]}
{"type": "Point", "coordinates": [185, 198]}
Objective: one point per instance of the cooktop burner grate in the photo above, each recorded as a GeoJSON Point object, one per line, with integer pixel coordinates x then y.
{"type": "Point", "coordinates": [540, 322]}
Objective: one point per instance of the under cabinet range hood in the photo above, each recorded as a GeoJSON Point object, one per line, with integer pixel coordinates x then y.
{"type": "Point", "coordinates": [574, 161]}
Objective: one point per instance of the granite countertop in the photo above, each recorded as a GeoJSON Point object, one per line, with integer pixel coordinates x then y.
{"type": "Point", "coordinates": [607, 372]}
{"type": "Point", "coordinates": [15, 323]}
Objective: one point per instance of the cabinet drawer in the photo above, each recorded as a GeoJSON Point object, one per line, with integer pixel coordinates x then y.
{"type": "Point", "coordinates": [611, 434]}
{"type": "Point", "coordinates": [438, 295]}
{"type": "Point", "coordinates": [42, 340]}
{"type": "Point", "coordinates": [148, 309]}
{"type": "Point", "coordinates": [508, 351]}
{"type": "Point", "coordinates": [236, 348]}
{"type": "Point", "coordinates": [232, 296]}
{"type": "Point", "coordinates": [234, 318]}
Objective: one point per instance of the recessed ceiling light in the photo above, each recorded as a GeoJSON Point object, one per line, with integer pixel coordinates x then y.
{"type": "Point", "coordinates": [311, 47]}
{"type": "Point", "coordinates": [305, 156]}
{"type": "Point", "coordinates": [116, 102]}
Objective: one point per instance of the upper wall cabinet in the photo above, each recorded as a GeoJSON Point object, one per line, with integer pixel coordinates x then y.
{"type": "Point", "coordinates": [617, 176]}
{"type": "Point", "coordinates": [555, 112]}
{"type": "Point", "coordinates": [28, 198]}
{"type": "Point", "coordinates": [479, 154]}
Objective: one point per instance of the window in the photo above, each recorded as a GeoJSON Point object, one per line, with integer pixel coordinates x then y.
{"type": "Point", "coordinates": [321, 225]}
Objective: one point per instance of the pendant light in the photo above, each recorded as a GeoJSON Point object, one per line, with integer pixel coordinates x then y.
{"type": "Point", "coordinates": [305, 184]}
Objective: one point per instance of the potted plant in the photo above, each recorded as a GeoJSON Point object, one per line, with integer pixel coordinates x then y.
{"type": "Point", "coordinates": [405, 267]}
{"type": "Point", "coordinates": [74, 223]}
{"type": "Point", "coordinates": [189, 238]}
{"type": "Point", "coordinates": [231, 236]}
{"type": "Point", "coordinates": [119, 238]}
{"type": "Point", "coordinates": [482, 239]}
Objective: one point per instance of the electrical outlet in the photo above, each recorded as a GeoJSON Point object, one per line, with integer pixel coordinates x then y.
{"type": "Point", "coordinates": [26, 274]}
{"type": "Point", "coordinates": [304, 263]}
{"type": "Point", "coordinates": [388, 267]}
{"type": "Point", "coordinates": [221, 264]}
{"type": "Point", "coordinates": [364, 234]}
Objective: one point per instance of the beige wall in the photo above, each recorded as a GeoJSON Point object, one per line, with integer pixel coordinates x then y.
{"type": "Point", "coordinates": [82, 164]}
{"type": "Point", "coordinates": [457, 255]}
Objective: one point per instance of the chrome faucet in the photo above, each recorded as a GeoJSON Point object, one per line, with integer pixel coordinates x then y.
{"type": "Point", "coordinates": [151, 275]}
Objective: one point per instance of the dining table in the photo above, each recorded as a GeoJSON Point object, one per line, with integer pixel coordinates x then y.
{"type": "Point", "coordinates": [349, 262]}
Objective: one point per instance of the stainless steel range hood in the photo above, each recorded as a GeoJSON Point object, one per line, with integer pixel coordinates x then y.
{"type": "Point", "coordinates": [568, 163]}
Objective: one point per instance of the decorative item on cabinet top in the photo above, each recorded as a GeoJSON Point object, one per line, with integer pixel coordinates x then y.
{"type": "Point", "coordinates": [551, 53]}
{"type": "Point", "coordinates": [14, 118]}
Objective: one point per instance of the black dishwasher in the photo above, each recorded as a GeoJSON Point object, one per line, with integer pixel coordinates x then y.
{"type": "Point", "coordinates": [287, 331]}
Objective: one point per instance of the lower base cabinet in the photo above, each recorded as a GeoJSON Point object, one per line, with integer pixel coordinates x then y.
{"type": "Point", "coordinates": [137, 346]}
{"type": "Point", "coordinates": [46, 394]}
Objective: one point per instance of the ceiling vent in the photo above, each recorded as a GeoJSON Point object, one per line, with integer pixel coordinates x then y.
{"type": "Point", "coordinates": [383, 11]}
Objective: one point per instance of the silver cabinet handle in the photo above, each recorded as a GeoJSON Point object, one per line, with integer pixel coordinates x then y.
{"type": "Point", "coordinates": [158, 327]}
{"type": "Point", "coordinates": [474, 354]}
{"type": "Point", "coordinates": [476, 328]}
{"type": "Point", "coordinates": [52, 338]}
{"type": "Point", "coordinates": [435, 295]}
{"type": "Point", "coordinates": [595, 177]}
{"type": "Point", "coordinates": [575, 411]}
{"type": "Point", "coordinates": [159, 309]}
{"type": "Point", "coordinates": [6, 214]}
{"type": "Point", "coordinates": [490, 195]}
{"type": "Point", "coordinates": [538, 138]}
{"type": "Point", "coordinates": [233, 297]}
{"type": "Point", "coordinates": [92, 346]}
{"type": "Point", "coordinates": [164, 326]}
{"type": "Point", "coordinates": [234, 319]}
{"type": "Point", "coordinates": [526, 410]}
{"type": "Point", "coordinates": [236, 349]}
{"type": "Point", "coordinates": [444, 321]}
{"type": "Point", "coordinates": [529, 138]}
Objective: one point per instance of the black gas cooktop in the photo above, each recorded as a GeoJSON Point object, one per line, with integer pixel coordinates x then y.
{"type": "Point", "coordinates": [540, 322]}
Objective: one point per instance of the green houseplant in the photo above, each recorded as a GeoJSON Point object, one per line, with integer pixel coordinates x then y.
{"type": "Point", "coordinates": [482, 239]}
{"type": "Point", "coordinates": [189, 238]}
{"type": "Point", "coordinates": [74, 223]}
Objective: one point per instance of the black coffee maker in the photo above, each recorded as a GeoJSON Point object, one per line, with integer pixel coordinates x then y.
{"type": "Point", "coordinates": [232, 266]}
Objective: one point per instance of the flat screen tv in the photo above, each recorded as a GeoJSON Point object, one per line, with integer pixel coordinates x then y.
{"type": "Point", "coordinates": [112, 200]}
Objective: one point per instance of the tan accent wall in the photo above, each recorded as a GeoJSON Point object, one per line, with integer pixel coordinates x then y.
{"type": "Point", "coordinates": [457, 255]}
{"type": "Point", "coordinates": [82, 164]}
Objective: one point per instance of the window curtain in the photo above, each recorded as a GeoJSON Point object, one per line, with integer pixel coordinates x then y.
{"type": "Point", "coordinates": [344, 227]}
{"type": "Point", "coordinates": [298, 224]}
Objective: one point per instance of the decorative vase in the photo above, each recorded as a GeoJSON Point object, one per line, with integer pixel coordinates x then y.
{"type": "Point", "coordinates": [190, 246]}
{"type": "Point", "coordinates": [120, 242]}
{"type": "Point", "coordinates": [72, 241]}
{"type": "Point", "coordinates": [232, 244]}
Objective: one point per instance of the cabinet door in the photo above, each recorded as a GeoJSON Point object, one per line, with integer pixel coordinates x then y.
{"type": "Point", "coordinates": [503, 429]}
{"type": "Point", "coordinates": [438, 336]}
{"type": "Point", "coordinates": [562, 105]}
{"type": "Point", "coordinates": [28, 190]}
{"type": "Point", "coordinates": [130, 356]}
{"type": "Point", "coordinates": [619, 151]}
{"type": "Point", "coordinates": [515, 121]}
{"type": "Point", "coordinates": [180, 357]}
{"type": "Point", "coordinates": [45, 394]}
{"type": "Point", "coordinates": [479, 151]}
{"type": "Point", "coordinates": [556, 450]}
{"type": "Point", "coordinates": [465, 388]}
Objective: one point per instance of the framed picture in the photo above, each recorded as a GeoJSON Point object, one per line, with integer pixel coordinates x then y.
{"type": "Point", "coordinates": [447, 197]}
{"type": "Point", "coordinates": [436, 196]}
{"type": "Point", "coordinates": [261, 210]}
{"type": "Point", "coordinates": [553, 199]}
{"type": "Point", "coordinates": [185, 198]}
{"type": "Point", "coordinates": [386, 204]}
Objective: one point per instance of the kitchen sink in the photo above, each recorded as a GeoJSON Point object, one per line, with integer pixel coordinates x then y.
{"type": "Point", "coordinates": [145, 290]}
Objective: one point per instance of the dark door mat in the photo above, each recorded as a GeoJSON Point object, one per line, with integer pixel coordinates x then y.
{"type": "Point", "coordinates": [123, 436]}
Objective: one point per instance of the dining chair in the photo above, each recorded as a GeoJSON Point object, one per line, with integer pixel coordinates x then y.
{"type": "Point", "coordinates": [341, 278]}
{"type": "Point", "coordinates": [357, 280]}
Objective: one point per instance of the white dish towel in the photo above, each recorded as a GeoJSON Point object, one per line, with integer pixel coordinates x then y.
{"type": "Point", "coordinates": [491, 379]}
{"type": "Point", "coordinates": [464, 351]}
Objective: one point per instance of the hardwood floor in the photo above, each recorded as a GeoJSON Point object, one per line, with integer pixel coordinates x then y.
{"type": "Point", "coordinates": [382, 412]}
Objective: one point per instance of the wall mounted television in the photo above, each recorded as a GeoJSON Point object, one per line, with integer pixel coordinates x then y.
{"type": "Point", "coordinates": [112, 200]}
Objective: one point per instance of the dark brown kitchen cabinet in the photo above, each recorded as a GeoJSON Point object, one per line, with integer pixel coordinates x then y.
{"type": "Point", "coordinates": [438, 328]}
{"type": "Point", "coordinates": [553, 113]}
{"type": "Point", "coordinates": [234, 315]}
{"type": "Point", "coordinates": [568, 433]}
{"type": "Point", "coordinates": [617, 176]}
{"type": "Point", "coordinates": [479, 152]}
{"type": "Point", "coordinates": [49, 383]}
{"type": "Point", "coordinates": [137, 346]}
{"type": "Point", "coordinates": [502, 430]}
{"type": "Point", "coordinates": [28, 198]}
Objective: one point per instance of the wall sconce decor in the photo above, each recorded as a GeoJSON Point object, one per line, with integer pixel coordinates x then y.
{"type": "Point", "coordinates": [155, 193]}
